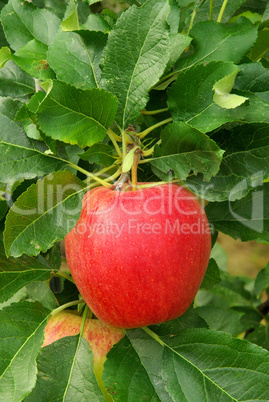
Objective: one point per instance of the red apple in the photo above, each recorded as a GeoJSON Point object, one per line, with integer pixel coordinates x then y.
{"type": "Point", "coordinates": [139, 257]}
{"type": "Point", "coordinates": [101, 337]}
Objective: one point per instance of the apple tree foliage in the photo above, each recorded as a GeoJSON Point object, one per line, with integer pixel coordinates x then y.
{"type": "Point", "coordinates": [190, 81]}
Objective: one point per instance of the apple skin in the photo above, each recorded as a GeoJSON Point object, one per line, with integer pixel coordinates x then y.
{"type": "Point", "coordinates": [100, 337]}
{"type": "Point", "coordinates": [139, 257]}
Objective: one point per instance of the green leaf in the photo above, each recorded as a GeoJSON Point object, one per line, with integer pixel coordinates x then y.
{"type": "Point", "coordinates": [14, 82]}
{"type": "Point", "coordinates": [135, 57]}
{"type": "Point", "coordinates": [129, 160]}
{"type": "Point", "coordinates": [244, 166]}
{"type": "Point", "coordinates": [9, 130]}
{"type": "Point", "coordinates": [184, 150]}
{"type": "Point", "coordinates": [95, 22]}
{"type": "Point", "coordinates": [197, 106]}
{"type": "Point", "coordinates": [137, 361]}
{"type": "Point", "coordinates": [221, 319]}
{"type": "Point", "coordinates": [250, 319]}
{"type": "Point", "coordinates": [30, 22]}
{"type": "Point", "coordinates": [231, 292]}
{"type": "Point", "coordinates": [5, 55]}
{"type": "Point", "coordinates": [178, 43]}
{"type": "Point", "coordinates": [262, 280]}
{"type": "Point", "coordinates": [81, 52]}
{"type": "Point", "coordinates": [174, 17]}
{"type": "Point", "coordinates": [53, 203]}
{"type": "Point", "coordinates": [71, 22]}
{"type": "Point", "coordinates": [22, 334]}
{"type": "Point", "coordinates": [32, 59]}
{"type": "Point", "coordinates": [21, 157]}
{"type": "Point", "coordinates": [213, 41]}
{"type": "Point", "coordinates": [3, 208]}
{"type": "Point", "coordinates": [150, 356]}
{"type": "Point", "coordinates": [245, 219]}
{"type": "Point", "coordinates": [22, 294]}
{"type": "Point", "coordinates": [258, 110]}
{"type": "Point", "coordinates": [206, 360]}
{"type": "Point", "coordinates": [41, 292]}
{"type": "Point", "coordinates": [222, 95]}
{"type": "Point", "coordinates": [190, 319]}
{"type": "Point", "coordinates": [124, 374]}
{"type": "Point", "coordinates": [65, 372]}
{"type": "Point", "coordinates": [20, 162]}
{"type": "Point", "coordinates": [252, 77]}
{"type": "Point", "coordinates": [36, 100]}
{"type": "Point", "coordinates": [54, 256]}
{"type": "Point", "coordinates": [99, 153]}
{"type": "Point", "coordinates": [212, 275]}
{"type": "Point", "coordinates": [17, 273]}
{"type": "Point", "coordinates": [179, 366]}
{"type": "Point", "coordinates": [76, 116]}
{"type": "Point", "coordinates": [261, 46]}
{"type": "Point", "coordinates": [260, 336]}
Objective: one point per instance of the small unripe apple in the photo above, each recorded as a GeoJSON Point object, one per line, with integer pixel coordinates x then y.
{"type": "Point", "coordinates": [100, 336]}
{"type": "Point", "coordinates": [139, 257]}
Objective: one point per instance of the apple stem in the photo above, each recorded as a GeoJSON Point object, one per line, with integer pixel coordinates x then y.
{"type": "Point", "coordinates": [124, 177]}
{"type": "Point", "coordinates": [153, 335]}
{"type": "Point", "coordinates": [134, 168]}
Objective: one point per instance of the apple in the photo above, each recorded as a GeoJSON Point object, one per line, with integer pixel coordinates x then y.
{"type": "Point", "coordinates": [100, 336]}
{"type": "Point", "coordinates": [139, 257]}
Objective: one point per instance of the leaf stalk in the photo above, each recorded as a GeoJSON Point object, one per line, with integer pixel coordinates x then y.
{"type": "Point", "coordinates": [154, 336]}
{"type": "Point", "coordinates": [65, 306]}
{"type": "Point", "coordinates": [153, 112]}
{"type": "Point", "coordinates": [90, 175]}
{"type": "Point", "coordinates": [150, 151]}
{"type": "Point", "coordinates": [211, 10]}
{"type": "Point", "coordinates": [224, 4]}
{"type": "Point", "coordinates": [112, 136]}
{"type": "Point", "coordinates": [151, 128]}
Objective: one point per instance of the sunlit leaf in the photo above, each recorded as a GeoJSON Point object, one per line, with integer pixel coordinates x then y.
{"type": "Point", "coordinates": [53, 203]}
{"type": "Point", "coordinates": [213, 41]}
{"type": "Point", "coordinates": [81, 52]}
{"type": "Point", "coordinates": [76, 116]}
{"type": "Point", "coordinates": [222, 95]}
{"type": "Point", "coordinates": [30, 22]}
{"type": "Point", "coordinates": [201, 111]}
{"type": "Point", "coordinates": [130, 71]}
{"type": "Point", "coordinates": [185, 150]}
